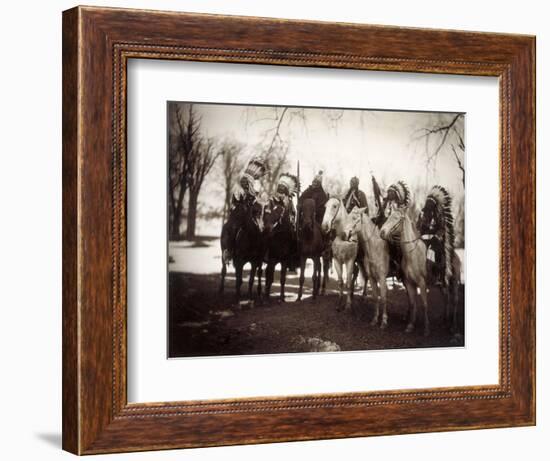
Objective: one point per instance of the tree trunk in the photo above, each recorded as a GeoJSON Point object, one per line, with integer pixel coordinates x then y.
{"type": "Point", "coordinates": [192, 215]}
{"type": "Point", "coordinates": [175, 224]}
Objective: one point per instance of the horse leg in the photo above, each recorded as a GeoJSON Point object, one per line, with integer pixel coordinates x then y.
{"type": "Point", "coordinates": [383, 291]}
{"type": "Point", "coordinates": [454, 297]}
{"type": "Point", "coordinates": [316, 276]}
{"type": "Point", "coordinates": [374, 287]}
{"type": "Point", "coordinates": [283, 280]}
{"type": "Point", "coordinates": [259, 280]}
{"type": "Point", "coordinates": [239, 278]}
{"type": "Point", "coordinates": [302, 277]}
{"type": "Point", "coordinates": [326, 264]}
{"type": "Point", "coordinates": [362, 265]}
{"type": "Point", "coordinates": [224, 273]}
{"type": "Point", "coordinates": [411, 293]}
{"type": "Point", "coordinates": [355, 274]}
{"type": "Point", "coordinates": [270, 269]}
{"type": "Point", "coordinates": [251, 279]}
{"type": "Point", "coordinates": [424, 299]}
{"type": "Point", "coordinates": [350, 282]}
{"type": "Point", "coordinates": [338, 267]}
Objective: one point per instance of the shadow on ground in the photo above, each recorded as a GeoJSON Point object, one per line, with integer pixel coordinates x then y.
{"type": "Point", "coordinates": [203, 322]}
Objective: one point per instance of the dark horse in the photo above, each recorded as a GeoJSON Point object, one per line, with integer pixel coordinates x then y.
{"type": "Point", "coordinates": [312, 245]}
{"type": "Point", "coordinates": [280, 242]}
{"type": "Point", "coordinates": [245, 227]}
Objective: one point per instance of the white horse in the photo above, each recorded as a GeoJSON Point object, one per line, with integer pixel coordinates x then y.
{"type": "Point", "coordinates": [344, 245]}
{"type": "Point", "coordinates": [399, 228]}
{"type": "Point", "coordinates": [376, 261]}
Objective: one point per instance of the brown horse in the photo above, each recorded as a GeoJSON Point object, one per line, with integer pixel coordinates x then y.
{"type": "Point", "coordinates": [399, 228]}
{"type": "Point", "coordinates": [311, 245]}
{"type": "Point", "coordinates": [245, 227]}
{"type": "Point", "coordinates": [376, 260]}
{"type": "Point", "coordinates": [280, 242]}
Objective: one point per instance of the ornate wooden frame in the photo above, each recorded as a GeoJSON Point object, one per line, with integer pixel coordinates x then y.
{"type": "Point", "coordinates": [97, 43]}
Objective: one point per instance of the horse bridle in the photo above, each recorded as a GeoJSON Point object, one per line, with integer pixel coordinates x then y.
{"type": "Point", "coordinates": [335, 214]}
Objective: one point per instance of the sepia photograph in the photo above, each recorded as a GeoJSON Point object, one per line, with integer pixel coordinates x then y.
{"type": "Point", "coordinates": [311, 229]}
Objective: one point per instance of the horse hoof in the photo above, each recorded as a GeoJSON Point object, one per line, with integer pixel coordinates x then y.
{"type": "Point", "coordinates": [383, 325]}
{"type": "Point", "coordinates": [410, 328]}
{"type": "Point", "coordinates": [373, 322]}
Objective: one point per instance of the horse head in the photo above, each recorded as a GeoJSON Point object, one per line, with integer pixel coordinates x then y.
{"type": "Point", "coordinates": [239, 214]}
{"type": "Point", "coordinates": [307, 216]}
{"type": "Point", "coordinates": [393, 227]}
{"type": "Point", "coordinates": [332, 208]}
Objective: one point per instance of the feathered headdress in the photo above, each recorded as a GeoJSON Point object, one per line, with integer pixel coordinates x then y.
{"type": "Point", "coordinates": [256, 167]}
{"type": "Point", "coordinates": [290, 182]}
{"type": "Point", "coordinates": [402, 191]}
{"type": "Point", "coordinates": [444, 204]}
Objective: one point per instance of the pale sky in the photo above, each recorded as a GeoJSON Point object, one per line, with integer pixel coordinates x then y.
{"type": "Point", "coordinates": [342, 143]}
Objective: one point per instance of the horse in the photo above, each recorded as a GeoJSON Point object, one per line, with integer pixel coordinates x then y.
{"type": "Point", "coordinates": [311, 244]}
{"type": "Point", "coordinates": [245, 227]}
{"type": "Point", "coordinates": [436, 224]}
{"type": "Point", "coordinates": [399, 228]}
{"type": "Point", "coordinates": [344, 245]}
{"type": "Point", "coordinates": [280, 241]}
{"type": "Point", "coordinates": [376, 259]}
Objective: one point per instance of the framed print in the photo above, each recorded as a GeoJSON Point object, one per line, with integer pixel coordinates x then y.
{"type": "Point", "coordinates": [281, 230]}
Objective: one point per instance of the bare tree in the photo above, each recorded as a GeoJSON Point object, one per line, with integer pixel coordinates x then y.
{"type": "Point", "coordinates": [445, 136]}
{"type": "Point", "coordinates": [276, 164]}
{"type": "Point", "coordinates": [183, 134]}
{"type": "Point", "coordinates": [231, 164]}
{"type": "Point", "coordinates": [204, 158]}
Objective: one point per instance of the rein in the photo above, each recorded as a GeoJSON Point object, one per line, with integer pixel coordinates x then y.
{"type": "Point", "coordinates": [414, 240]}
{"type": "Point", "coordinates": [335, 215]}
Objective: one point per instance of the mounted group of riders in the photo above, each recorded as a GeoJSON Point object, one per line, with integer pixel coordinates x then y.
{"type": "Point", "coordinates": [274, 231]}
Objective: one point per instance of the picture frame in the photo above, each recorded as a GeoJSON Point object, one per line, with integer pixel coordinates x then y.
{"type": "Point", "coordinates": [97, 44]}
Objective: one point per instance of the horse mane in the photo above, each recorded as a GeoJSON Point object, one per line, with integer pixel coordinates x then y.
{"type": "Point", "coordinates": [444, 203]}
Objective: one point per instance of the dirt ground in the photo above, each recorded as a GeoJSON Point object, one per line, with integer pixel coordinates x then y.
{"type": "Point", "coordinates": [202, 322]}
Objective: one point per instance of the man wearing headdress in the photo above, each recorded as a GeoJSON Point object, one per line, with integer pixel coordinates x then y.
{"type": "Point", "coordinates": [287, 186]}
{"type": "Point", "coordinates": [354, 197]}
{"type": "Point", "coordinates": [245, 194]}
{"type": "Point", "coordinates": [398, 195]}
{"type": "Point", "coordinates": [316, 192]}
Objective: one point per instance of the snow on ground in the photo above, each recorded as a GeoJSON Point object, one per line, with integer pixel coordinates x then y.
{"type": "Point", "coordinates": [204, 257]}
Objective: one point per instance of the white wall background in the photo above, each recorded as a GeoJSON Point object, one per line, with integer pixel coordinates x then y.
{"type": "Point", "coordinates": [30, 229]}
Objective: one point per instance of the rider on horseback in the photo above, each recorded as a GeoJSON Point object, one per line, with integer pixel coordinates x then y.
{"type": "Point", "coordinates": [316, 192]}
{"type": "Point", "coordinates": [287, 186]}
{"type": "Point", "coordinates": [397, 196]}
{"type": "Point", "coordinates": [246, 192]}
{"type": "Point", "coordinates": [246, 195]}
{"type": "Point", "coordinates": [354, 197]}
